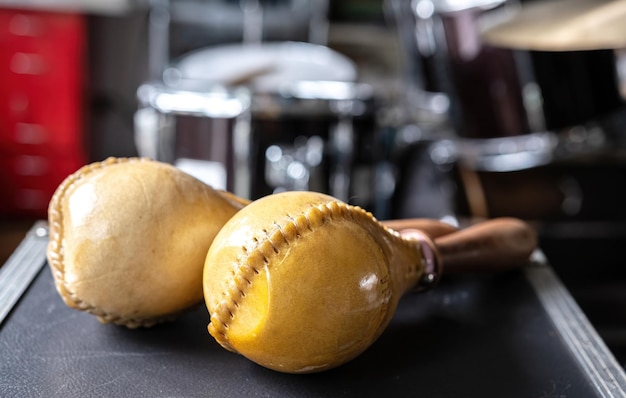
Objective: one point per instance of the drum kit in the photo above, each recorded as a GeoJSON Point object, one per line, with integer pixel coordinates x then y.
{"type": "Point", "coordinates": [528, 85]}
{"type": "Point", "coordinates": [493, 85]}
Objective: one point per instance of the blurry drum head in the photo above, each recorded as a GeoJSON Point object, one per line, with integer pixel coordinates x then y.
{"type": "Point", "coordinates": [265, 67]}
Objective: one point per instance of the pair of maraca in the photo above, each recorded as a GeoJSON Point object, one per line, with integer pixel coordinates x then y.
{"type": "Point", "coordinates": [298, 282]}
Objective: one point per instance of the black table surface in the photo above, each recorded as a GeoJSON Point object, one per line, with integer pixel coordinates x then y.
{"type": "Point", "coordinates": [472, 336]}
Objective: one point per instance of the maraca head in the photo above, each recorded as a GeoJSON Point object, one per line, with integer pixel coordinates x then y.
{"type": "Point", "coordinates": [128, 238]}
{"type": "Point", "coordinates": [300, 282]}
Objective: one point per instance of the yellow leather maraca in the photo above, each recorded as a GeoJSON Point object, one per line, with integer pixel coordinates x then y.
{"type": "Point", "coordinates": [128, 239]}
{"type": "Point", "coordinates": [301, 282]}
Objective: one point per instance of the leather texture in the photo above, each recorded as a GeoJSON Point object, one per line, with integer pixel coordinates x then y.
{"type": "Point", "coordinates": [471, 336]}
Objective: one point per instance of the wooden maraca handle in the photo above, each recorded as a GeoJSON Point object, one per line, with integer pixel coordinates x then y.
{"type": "Point", "coordinates": [431, 227]}
{"type": "Point", "coordinates": [497, 244]}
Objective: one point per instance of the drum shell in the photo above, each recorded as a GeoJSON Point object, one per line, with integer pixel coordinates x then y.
{"type": "Point", "coordinates": [297, 92]}
{"type": "Point", "coordinates": [500, 92]}
{"type": "Point", "coordinates": [297, 122]}
{"type": "Point", "coordinates": [204, 130]}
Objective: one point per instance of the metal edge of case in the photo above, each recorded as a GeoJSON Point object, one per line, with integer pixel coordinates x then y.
{"type": "Point", "coordinates": [23, 265]}
{"type": "Point", "coordinates": [581, 338]}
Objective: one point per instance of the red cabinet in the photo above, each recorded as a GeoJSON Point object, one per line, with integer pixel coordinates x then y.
{"type": "Point", "coordinates": [42, 85]}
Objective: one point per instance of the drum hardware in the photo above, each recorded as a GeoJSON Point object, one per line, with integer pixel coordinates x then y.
{"type": "Point", "coordinates": [341, 142]}
{"type": "Point", "coordinates": [502, 154]}
{"type": "Point", "coordinates": [176, 27]}
{"type": "Point", "coordinates": [568, 190]}
{"type": "Point", "coordinates": [252, 24]}
{"type": "Point", "coordinates": [200, 24]}
{"type": "Point", "coordinates": [296, 167]}
{"type": "Point", "coordinates": [554, 181]}
{"type": "Point", "coordinates": [468, 173]}
{"type": "Point", "coordinates": [507, 153]}
{"type": "Point", "coordinates": [298, 164]}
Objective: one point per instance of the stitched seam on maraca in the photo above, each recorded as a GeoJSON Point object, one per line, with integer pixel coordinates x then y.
{"type": "Point", "coordinates": [55, 251]}
{"type": "Point", "coordinates": [260, 256]}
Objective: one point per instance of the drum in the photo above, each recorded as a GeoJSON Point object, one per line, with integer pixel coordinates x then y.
{"type": "Point", "coordinates": [201, 128]}
{"type": "Point", "coordinates": [309, 117]}
{"type": "Point", "coordinates": [507, 110]}
{"type": "Point", "coordinates": [495, 91]}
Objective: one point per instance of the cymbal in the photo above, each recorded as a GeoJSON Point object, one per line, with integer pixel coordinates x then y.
{"type": "Point", "coordinates": [562, 25]}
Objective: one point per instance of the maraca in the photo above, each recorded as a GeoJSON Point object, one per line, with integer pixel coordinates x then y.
{"type": "Point", "coordinates": [128, 239]}
{"type": "Point", "coordinates": [301, 282]}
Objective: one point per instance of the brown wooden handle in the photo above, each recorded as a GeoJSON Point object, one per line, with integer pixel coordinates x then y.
{"type": "Point", "coordinates": [494, 245]}
{"type": "Point", "coordinates": [431, 227]}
